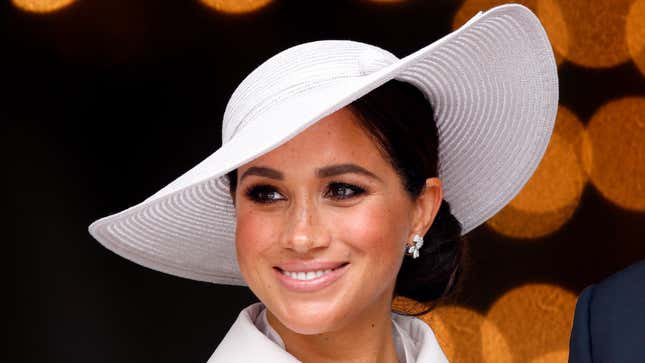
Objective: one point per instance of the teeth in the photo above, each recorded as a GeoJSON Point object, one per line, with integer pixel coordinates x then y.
{"type": "Point", "coordinates": [304, 276]}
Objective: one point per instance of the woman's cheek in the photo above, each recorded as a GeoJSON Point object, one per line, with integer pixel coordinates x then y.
{"type": "Point", "coordinates": [254, 234]}
{"type": "Point", "coordinates": [369, 225]}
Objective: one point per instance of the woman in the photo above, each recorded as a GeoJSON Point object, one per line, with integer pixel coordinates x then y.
{"type": "Point", "coordinates": [346, 176]}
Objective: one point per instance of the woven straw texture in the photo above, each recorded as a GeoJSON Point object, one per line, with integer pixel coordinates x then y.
{"type": "Point", "coordinates": [492, 83]}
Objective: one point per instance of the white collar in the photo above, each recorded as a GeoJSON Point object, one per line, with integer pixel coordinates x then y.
{"type": "Point", "coordinates": [252, 339]}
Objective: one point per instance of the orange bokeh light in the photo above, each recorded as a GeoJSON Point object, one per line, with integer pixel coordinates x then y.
{"type": "Point", "coordinates": [536, 319]}
{"type": "Point", "coordinates": [467, 336]}
{"type": "Point", "coordinates": [41, 6]}
{"type": "Point", "coordinates": [553, 193]}
{"type": "Point", "coordinates": [617, 134]}
{"type": "Point", "coordinates": [236, 6]}
{"type": "Point", "coordinates": [587, 33]}
{"type": "Point", "coordinates": [553, 357]}
{"type": "Point", "coordinates": [635, 33]}
{"type": "Point", "coordinates": [514, 223]}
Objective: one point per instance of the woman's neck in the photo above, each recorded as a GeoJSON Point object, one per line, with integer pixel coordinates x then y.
{"type": "Point", "coordinates": [368, 338]}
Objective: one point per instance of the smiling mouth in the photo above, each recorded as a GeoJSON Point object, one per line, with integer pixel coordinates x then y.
{"type": "Point", "coordinates": [311, 274]}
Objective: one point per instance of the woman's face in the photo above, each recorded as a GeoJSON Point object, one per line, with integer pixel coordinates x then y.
{"type": "Point", "coordinates": [322, 223]}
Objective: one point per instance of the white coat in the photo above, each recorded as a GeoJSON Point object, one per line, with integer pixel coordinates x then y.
{"type": "Point", "coordinates": [251, 339]}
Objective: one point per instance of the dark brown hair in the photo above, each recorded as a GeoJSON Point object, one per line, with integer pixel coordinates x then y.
{"type": "Point", "coordinates": [401, 123]}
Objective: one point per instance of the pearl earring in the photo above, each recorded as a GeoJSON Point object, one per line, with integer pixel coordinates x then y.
{"type": "Point", "coordinates": [414, 249]}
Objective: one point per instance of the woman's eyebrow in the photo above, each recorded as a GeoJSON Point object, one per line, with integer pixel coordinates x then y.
{"type": "Point", "coordinates": [333, 170]}
{"type": "Point", "coordinates": [262, 171]}
{"type": "Point", "coordinates": [325, 172]}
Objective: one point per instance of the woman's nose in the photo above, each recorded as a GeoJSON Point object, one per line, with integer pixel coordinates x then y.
{"type": "Point", "coordinates": [304, 230]}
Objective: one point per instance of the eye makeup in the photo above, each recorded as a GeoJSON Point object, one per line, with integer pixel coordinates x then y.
{"type": "Point", "coordinates": [263, 194]}
{"type": "Point", "coordinates": [334, 190]}
{"type": "Point", "coordinates": [342, 191]}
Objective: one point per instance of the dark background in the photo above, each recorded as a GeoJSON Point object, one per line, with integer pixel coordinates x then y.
{"type": "Point", "coordinates": [105, 102]}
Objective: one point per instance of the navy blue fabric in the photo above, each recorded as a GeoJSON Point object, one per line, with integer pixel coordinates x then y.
{"type": "Point", "coordinates": [609, 322]}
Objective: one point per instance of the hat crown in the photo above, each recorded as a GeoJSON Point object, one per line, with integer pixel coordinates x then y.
{"type": "Point", "coordinates": [493, 86]}
{"type": "Point", "coordinates": [296, 70]}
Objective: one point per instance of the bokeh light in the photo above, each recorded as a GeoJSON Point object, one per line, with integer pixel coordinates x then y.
{"type": "Point", "coordinates": [41, 6]}
{"type": "Point", "coordinates": [635, 33]}
{"type": "Point", "coordinates": [470, 7]}
{"type": "Point", "coordinates": [555, 24]}
{"type": "Point", "coordinates": [587, 33]}
{"type": "Point", "coordinates": [467, 336]}
{"type": "Point", "coordinates": [519, 224]}
{"type": "Point", "coordinates": [536, 319]}
{"type": "Point", "coordinates": [617, 134]}
{"type": "Point", "coordinates": [236, 6]}
{"type": "Point", "coordinates": [553, 193]}
{"type": "Point", "coordinates": [553, 357]}
{"type": "Point", "coordinates": [408, 306]}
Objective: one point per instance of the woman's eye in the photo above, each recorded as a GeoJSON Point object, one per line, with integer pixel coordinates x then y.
{"type": "Point", "coordinates": [340, 191]}
{"type": "Point", "coordinates": [263, 194]}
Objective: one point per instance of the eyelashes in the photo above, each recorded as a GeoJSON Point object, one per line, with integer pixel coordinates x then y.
{"type": "Point", "coordinates": [337, 191]}
{"type": "Point", "coordinates": [263, 194]}
{"type": "Point", "coordinates": [341, 191]}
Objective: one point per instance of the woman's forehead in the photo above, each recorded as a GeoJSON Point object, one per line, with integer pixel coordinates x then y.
{"type": "Point", "coordinates": [337, 138]}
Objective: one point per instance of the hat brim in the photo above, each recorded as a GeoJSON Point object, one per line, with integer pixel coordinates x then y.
{"type": "Point", "coordinates": [493, 86]}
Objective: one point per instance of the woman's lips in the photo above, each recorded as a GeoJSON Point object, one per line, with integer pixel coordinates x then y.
{"type": "Point", "coordinates": [314, 278]}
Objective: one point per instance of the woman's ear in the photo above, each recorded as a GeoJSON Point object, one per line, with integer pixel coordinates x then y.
{"type": "Point", "coordinates": [427, 206]}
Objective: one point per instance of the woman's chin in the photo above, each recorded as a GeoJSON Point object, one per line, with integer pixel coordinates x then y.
{"type": "Point", "coordinates": [309, 327]}
{"type": "Point", "coordinates": [309, 320]}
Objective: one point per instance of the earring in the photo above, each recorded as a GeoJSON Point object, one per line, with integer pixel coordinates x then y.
{"type": "Point", "coordinates": [414, 249]}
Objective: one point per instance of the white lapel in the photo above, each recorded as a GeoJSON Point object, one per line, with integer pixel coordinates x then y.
{"type": "Point", "coordinates": [244, 343]}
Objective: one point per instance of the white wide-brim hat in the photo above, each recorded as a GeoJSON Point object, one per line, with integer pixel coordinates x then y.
{"type": "Point", "coordinates": [494, 89]}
